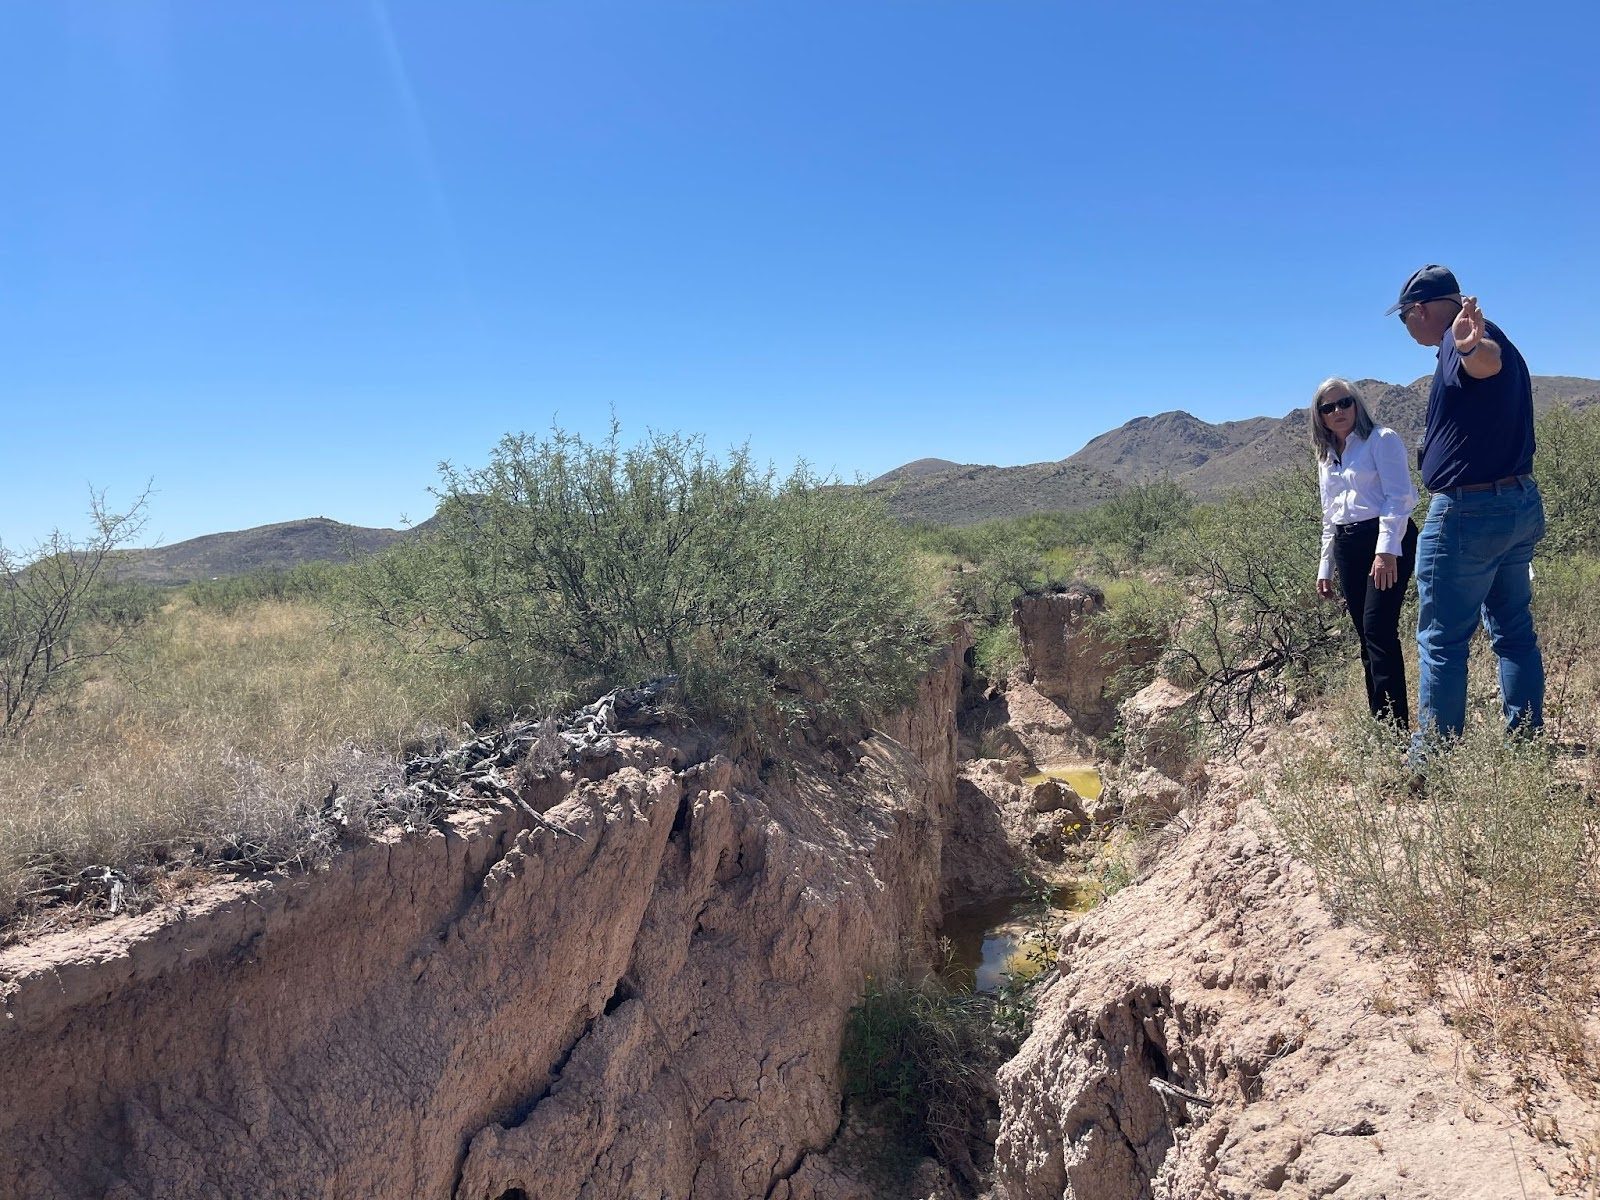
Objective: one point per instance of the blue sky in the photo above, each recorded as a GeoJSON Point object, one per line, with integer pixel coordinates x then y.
{"type": "Point", "coordinates": [283, 258]}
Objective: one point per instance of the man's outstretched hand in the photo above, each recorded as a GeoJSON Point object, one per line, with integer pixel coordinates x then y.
{"type": "Point", "coordinates": [1468, 325]}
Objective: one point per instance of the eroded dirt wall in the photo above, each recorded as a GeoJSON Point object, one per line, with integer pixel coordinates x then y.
{"type": "Point", "coordinates": [648, 1004]}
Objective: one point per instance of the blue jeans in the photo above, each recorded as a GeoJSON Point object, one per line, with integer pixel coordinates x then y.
{"type": "Point", "coordinates": [1472, 560]}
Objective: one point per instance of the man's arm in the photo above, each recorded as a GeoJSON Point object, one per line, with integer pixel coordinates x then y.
{"type": "Point", "coordinates": [1480, 354]}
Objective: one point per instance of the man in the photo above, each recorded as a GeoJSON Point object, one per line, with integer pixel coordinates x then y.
{"type": "Point", "coordinates": [1485, 517]}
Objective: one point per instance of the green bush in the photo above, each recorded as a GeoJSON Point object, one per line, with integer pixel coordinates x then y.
{"type": "Point", "coordinates": [1568, 469]}
{"type": "Point", "coordinates": [1140, 520]}
{"type": "Point", "coordinates": [62, 609]}
{"type": "Point", "coordinates": [997, 650]}
{"type": "Point", "coordinates": [564, 568]}
{"type": "Point", "coordinates": [315, 581]}
{"type": "Point", "coordinates": [1006, 567]}
{"type": "Point", "coordinates": [913, 1054]}
{"type": "Point", "coordinates": [1253, 635]}
{"type": "Point", "coordinates": [996, 562]}
{"type": "Point", "coordinates": [1144, 614]}
{"type": "Point", "coordinates": [1126, 530]}
{"type": "Point", "coordinates": [1566, 614]}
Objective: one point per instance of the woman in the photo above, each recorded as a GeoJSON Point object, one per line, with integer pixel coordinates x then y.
{"type": "Point", "coordinates": [1367, 532]}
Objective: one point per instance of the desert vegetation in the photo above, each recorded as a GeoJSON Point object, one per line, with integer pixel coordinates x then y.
{"type": "Point", "coordinates": [210, 740]}
{"type": "Point", "coordinates": [1486, 867]}
{"type": "Point", "coordinates": [62, 611]}
{"type": "Point", "coordinates": [260, 722]}
{"type": "Point", "coordinates": [916, 1059]}
{"type": "Point", "coordinates": [566, 567]}
{"type": "Point", "coordinates": [988, 566]}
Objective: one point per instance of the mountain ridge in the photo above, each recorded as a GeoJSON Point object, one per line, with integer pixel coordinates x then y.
{"type": "Point", "coordinates": [1205, 457]}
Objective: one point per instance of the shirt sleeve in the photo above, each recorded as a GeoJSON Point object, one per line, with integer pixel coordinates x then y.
{"type": "Point", "coordinates": [1325, 561]}
{"type": "Point", "coordinates": [1399, 493]}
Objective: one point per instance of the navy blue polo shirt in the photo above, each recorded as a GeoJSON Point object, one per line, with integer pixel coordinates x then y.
{"type": "Point", "coordinates": [1478, 430]}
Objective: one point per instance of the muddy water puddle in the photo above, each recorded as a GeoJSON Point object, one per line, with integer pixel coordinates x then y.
{"type": "Point", "coordinates": [1002, 937]}
{"type": "Point", "coordinates": [1083, 779]}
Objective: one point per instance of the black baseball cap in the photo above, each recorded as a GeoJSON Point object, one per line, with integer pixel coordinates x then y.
{"type": "Point", "coordinates": [1428, 283]}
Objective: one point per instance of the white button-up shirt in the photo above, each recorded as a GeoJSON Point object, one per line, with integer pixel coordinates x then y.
{"type": "Point", "coordinates": [1369, 480]}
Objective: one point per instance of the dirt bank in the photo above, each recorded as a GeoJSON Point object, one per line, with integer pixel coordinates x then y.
{"type": "Point", "coordinates": [639, 994]}
{"type": "Point", "coordinates": [1213, 1032]}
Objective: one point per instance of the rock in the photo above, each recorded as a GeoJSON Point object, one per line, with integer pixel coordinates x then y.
{"type": "Point", "coordinates": [1042, 726]}
{"type": "Point", "coordinates": [1067, 658]}
{"type": "Point", "coordinates": [1145, 796]}
{"type": "Point", "coordinates": [1222, 975]}
{"type": "Point", "coordinates": [1052, 795]}
{"type": "Point", "coordinates": [1157, 725]}
{"type": "Point", "coordinates": [1000, 833]}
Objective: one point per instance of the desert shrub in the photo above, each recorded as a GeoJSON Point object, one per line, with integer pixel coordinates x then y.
{"type": "Point", "coordinates": [305, 581]}
{"type": "Point", "coordinates": [1253, 635]}
{"type": "Point", "coordinates": [1566, 604]}
{"type": "Point", "coordinates": [568, 567]}
{"type": "Point", "coordinates": [1145, 612]}
{"type": "Point", "coordinates": [913, 1054]}
{"type": "Point", "coordinates": [1568, 469]}
{"type": "Point", "coordinates": [1001, 567]}
{"type": "Point", "coordinates": [1487, 872]}
{"type": "Point", "coordinates": [1126, 530]}
{"type": "Point", "coordinates": [1139, 520]}
{"type": "Point", "coordinates": [62, 610]}
{"type": "Point", "coordinates": [997, 650]}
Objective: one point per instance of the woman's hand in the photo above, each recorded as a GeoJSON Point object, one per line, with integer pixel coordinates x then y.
{"type": "Point", "coordinates": [1325, 588]}
{"type": "Point", "coordinates": [1384, 571]}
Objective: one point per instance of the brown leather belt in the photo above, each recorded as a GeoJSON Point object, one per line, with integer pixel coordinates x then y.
{"type": "Point", "coordinates": [1489, 487]}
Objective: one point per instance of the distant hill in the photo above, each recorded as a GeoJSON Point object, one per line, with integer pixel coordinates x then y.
{"type": "Point", "coordinates": [967, 495]}
{"type": "Point", "coordinates": [282, 545]}
{"type": "Point", "coordinates": [1206, 458]}
{"type": "Point", "coordinates": [923, 466]}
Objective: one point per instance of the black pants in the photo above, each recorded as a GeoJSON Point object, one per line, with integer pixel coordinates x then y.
{"type": "Point", "coordinates": [1376, 614]}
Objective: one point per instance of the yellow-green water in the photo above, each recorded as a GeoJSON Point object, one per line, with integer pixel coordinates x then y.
{"type": "Point", "coordinates": [1083, 780]}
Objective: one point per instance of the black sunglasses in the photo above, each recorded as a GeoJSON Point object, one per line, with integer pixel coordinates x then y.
{"type": "Point", "coordinates": [1342, 403]}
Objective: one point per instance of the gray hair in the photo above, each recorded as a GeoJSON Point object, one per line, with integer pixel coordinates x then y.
{"type": "Point", "coordinates": [1321, 439]}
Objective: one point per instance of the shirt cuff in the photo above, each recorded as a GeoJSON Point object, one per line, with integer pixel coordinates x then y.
{"type": "Point", "coordinates": [1392, 534]}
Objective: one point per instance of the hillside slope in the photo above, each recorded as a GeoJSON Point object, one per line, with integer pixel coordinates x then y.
{"type": "Point", "coordinates": [1204, 457]}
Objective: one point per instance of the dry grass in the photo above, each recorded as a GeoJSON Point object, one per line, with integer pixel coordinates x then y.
{"type": "Point", "coordinates": [221, 739]}
{"type": "Point", "coordinates": [1490, 876]}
